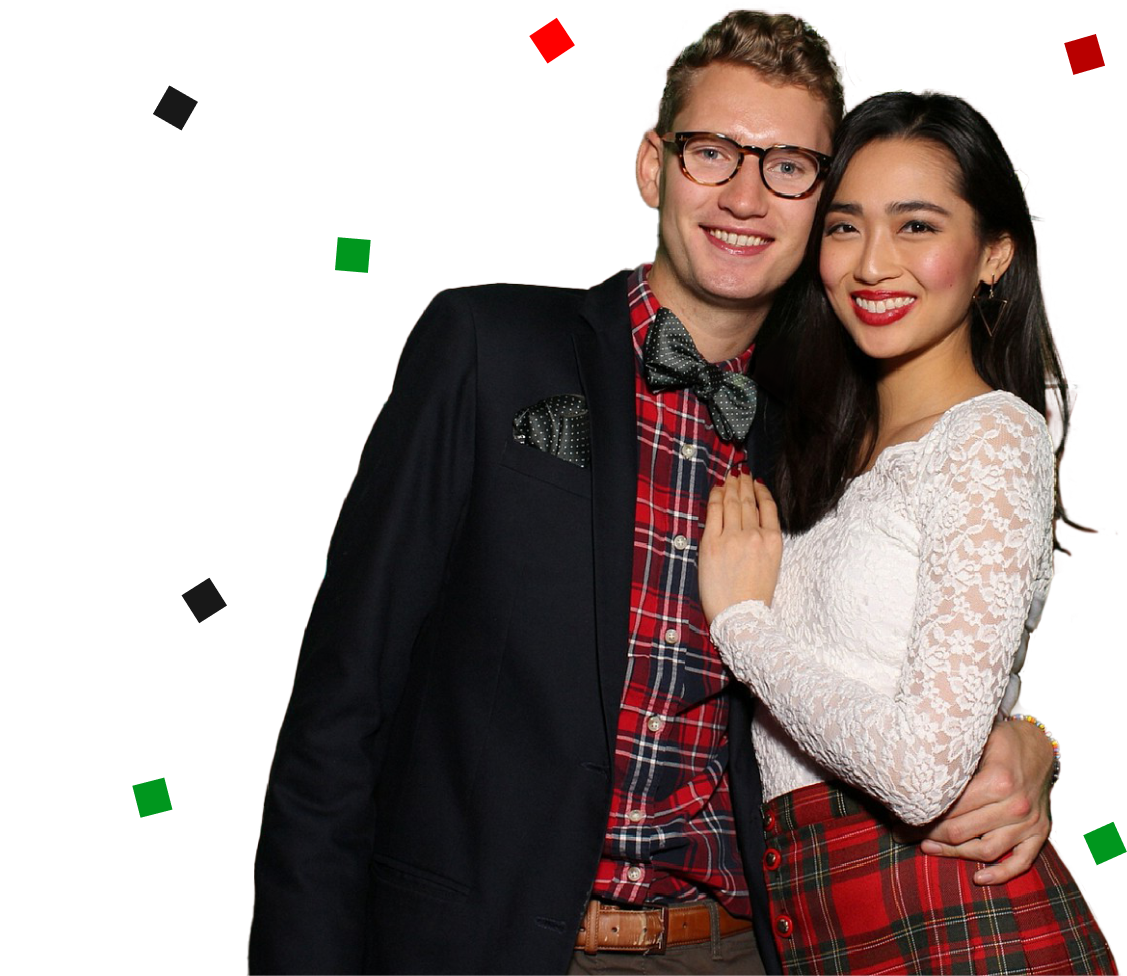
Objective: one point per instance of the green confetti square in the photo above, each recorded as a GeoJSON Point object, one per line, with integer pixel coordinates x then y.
{"type": "Point", "coordinates": [152, 797]}
{"type": "Point", "coordinates": [352, 254]}
{"type": "Point", "coordinates": [1105, 843]}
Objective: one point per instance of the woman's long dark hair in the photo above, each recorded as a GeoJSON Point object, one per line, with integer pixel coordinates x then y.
{"type": "Point", "coordinates": [832, 407]}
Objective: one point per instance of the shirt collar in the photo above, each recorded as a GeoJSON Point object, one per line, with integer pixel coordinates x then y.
{"type": "Point", "coordinates": [643, 309]}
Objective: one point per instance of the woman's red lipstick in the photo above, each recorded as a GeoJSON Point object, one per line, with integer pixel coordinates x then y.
{"type": "Point", "coordinates": [871, 298]}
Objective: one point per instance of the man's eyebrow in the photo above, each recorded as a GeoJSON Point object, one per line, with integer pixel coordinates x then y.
{"type": "Point", "coordinates": [893, 209]}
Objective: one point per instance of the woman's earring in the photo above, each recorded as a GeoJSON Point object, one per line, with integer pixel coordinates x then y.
{"type": "Point", "coordinates": [990, 309]}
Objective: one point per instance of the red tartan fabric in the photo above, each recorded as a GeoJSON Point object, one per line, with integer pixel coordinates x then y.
{"type": "Point", "coordinates": [671, 834]}
{"type": "Point", "coordinates": [848, 897]}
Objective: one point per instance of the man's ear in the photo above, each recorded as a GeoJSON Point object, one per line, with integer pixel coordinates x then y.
{"type": "Point", "coordinates": [647, 168]}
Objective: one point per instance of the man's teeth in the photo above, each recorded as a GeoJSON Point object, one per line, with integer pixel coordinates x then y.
{"type": "Point", "coordinates": [885, 304]}
{"type": "Point", "coordinates": [738, 240]}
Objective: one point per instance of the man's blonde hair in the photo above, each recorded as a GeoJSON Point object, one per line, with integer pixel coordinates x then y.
{"type": "Point", "coordinates": [783, 49]}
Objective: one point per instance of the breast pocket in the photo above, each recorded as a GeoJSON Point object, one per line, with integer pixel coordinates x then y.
{"type": "Point", "coordinates": [544, 467]}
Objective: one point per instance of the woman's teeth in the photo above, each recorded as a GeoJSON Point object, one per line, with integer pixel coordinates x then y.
{"type": "Point", "coordinates": [883, 305]}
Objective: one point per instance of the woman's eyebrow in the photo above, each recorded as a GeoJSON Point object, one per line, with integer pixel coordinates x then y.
{"type": "Point", "coordinates": [902, 207]}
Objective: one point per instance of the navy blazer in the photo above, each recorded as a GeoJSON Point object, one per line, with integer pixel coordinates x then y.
{"type": "Point", "coordinates": [440, 792]}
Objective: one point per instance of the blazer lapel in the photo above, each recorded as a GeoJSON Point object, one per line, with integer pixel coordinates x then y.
{"type": "Point", "coordinates": [605, 355]}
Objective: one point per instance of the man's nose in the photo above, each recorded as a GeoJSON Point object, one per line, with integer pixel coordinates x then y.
{"type": "Point", "coordinates": [745, 195]}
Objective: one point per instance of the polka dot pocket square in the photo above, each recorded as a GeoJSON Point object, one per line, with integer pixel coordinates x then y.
{"type": "Point", "coordinates": [557, 425]}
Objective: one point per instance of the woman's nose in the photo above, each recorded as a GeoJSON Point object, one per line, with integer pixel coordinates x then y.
{"type": "Point", "coordinates": [876, 260]}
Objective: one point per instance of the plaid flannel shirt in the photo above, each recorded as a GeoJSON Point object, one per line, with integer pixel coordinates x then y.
{"type": "Point", "coordinates": [671, 835]}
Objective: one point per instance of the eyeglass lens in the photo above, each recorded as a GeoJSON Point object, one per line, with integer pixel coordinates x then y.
{"type": "Point", "coordinates": [710, 159]}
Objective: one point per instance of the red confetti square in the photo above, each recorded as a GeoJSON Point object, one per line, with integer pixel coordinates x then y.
{"type": "Point", "coordinates": [552, 40]}
{"type": "Point", "coordinates": [1084, 54]}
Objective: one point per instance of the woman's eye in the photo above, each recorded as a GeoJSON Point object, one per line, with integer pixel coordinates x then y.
{"type": "Point", "coordinates": [918, 227]}
{"type": "Point", "coordinates": [841, 227]}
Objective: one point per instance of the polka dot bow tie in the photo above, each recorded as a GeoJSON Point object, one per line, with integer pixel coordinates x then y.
{"type": "Point", "coordinates": [672, 363]}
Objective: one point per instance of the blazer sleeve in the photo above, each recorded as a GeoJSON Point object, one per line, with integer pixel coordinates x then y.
{"type": "Point", "coordinates": [383, 574]}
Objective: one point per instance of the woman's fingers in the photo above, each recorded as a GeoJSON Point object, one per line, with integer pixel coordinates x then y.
{"type": "Point", "coordinates": [741, 502]}
{"type": "Point", "coordinates": [714, 517]}
{"type": "Point", "coordinates": [768, 510]}
{"type": "Point", "coordinates": [733, 505]}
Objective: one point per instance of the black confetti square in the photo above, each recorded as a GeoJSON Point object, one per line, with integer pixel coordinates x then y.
{"type": "Point", "coordinates": [204, 600]}
{"type": "Point", "coordinates": [175, 107]}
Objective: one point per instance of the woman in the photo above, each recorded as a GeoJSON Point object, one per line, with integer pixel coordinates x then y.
{"type": "Point", "coordinates": [918, 490]}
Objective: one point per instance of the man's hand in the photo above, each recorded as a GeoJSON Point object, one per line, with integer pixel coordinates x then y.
{"type": "Point", "coordinates": [1005, 807]}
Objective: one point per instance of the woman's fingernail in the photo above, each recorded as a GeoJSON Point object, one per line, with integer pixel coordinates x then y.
{"type": "Point", "coordinates": [983, 877]}
{"type": "Point", "coordinates": [761, 481]}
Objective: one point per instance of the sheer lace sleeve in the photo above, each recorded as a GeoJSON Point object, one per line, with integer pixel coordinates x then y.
{"type": "Point", "coordinates": [983, 504]}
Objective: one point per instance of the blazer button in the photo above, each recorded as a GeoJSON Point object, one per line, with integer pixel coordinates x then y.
{"type": "Point", "coordinates": [783, 926]}
{"type": "Point", "coordinates": [772, 859]}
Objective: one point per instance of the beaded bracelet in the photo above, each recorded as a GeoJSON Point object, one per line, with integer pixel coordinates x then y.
{"type": "Point", "coordinates": [1056, 745]}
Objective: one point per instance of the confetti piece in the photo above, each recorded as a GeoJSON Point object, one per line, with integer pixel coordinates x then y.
{"type": "Point", "coordinates": [1105, 842]}
{"type": "Point", "coordinates": [204, 600]}
{"type": "Point", "coordinates": [152, 797]}
{"type": "Point", "coordinates": [552, 40]}
{"type": "Point", "coordinates": [353, 253]}
{"type": "Point", "coordinates": [175, 107]}
{"type": "Point", "coordinates": [1084, 54]}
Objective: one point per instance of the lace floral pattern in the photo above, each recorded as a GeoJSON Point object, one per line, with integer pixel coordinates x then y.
{"type": "Point", "coordinates": [891, 635]}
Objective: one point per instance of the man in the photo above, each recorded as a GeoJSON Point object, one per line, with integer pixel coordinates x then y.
{"type": "Point", "coordinates": [509, 731]}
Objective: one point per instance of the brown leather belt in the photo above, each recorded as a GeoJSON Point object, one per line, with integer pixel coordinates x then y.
{"type": "Point", "coordinates": [653, 928]}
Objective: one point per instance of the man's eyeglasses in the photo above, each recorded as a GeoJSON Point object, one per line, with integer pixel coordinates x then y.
{"type": "Point", "coordinates": [712, 159]}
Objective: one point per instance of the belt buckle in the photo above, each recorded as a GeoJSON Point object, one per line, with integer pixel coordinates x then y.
{"type": "Point", "coordinates": [658, 948]}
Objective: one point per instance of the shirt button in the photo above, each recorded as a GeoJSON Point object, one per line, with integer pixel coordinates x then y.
{"type": "Point", "coordinates": [634, 816]}
{"type": "Point", "coordinates": [655, 723]}
{"type": "Point", "coordinates": [688, 451]}
{"type": "Point", "coordinates": [634, 874]}
{"type": "Point", "coordinates": [783, 926]}
{"type": "Point", "coordinates": [671, 636]}
{"type": "Point", "coordinates": [680, 542]}
{"type": "Point", "coordinates": [772, 859]}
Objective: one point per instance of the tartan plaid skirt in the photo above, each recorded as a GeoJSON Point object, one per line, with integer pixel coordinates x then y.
{"type": "Point", "coordinates": [849, 897]}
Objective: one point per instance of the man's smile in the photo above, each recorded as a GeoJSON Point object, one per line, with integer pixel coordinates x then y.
{"type": "Point", "coordinates": [737, 242]}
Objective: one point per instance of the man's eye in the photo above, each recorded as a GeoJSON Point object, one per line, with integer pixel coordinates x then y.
{"type": "Point", "coordinates": [788, 167]}
{"type": "Point", "coordinates": [840, 228]}
{"type": "Point", "coordinates": [918, 227]}
{"type": "Point", "coordinates": [711, 154]}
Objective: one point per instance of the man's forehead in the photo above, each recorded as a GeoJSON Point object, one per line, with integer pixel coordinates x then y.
{"type": "Point", "coordinates": [739, 101]}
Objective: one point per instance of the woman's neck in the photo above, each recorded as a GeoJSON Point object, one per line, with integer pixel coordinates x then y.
{"type": "Point", "coordinates": [923, 386]}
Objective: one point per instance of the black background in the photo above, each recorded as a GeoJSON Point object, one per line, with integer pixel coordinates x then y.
{"type": "Point", "coordinates": [196, 381]}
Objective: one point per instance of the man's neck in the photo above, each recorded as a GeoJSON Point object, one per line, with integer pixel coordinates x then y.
{"type": "Point", "coordinates": [718, 332]}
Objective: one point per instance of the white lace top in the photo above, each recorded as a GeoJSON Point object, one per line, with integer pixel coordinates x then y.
{"type": "Point", "coordinates": [893, 629]}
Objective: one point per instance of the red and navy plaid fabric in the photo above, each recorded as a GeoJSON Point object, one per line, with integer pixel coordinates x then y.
{"type": "Point", "coordinates": [848, 897]}
{"type": "Point", "coordinates": [671, 834]}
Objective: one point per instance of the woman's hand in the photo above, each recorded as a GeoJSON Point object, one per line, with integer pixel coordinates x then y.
{"type": "Point", "coordinates": [741, 547]}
